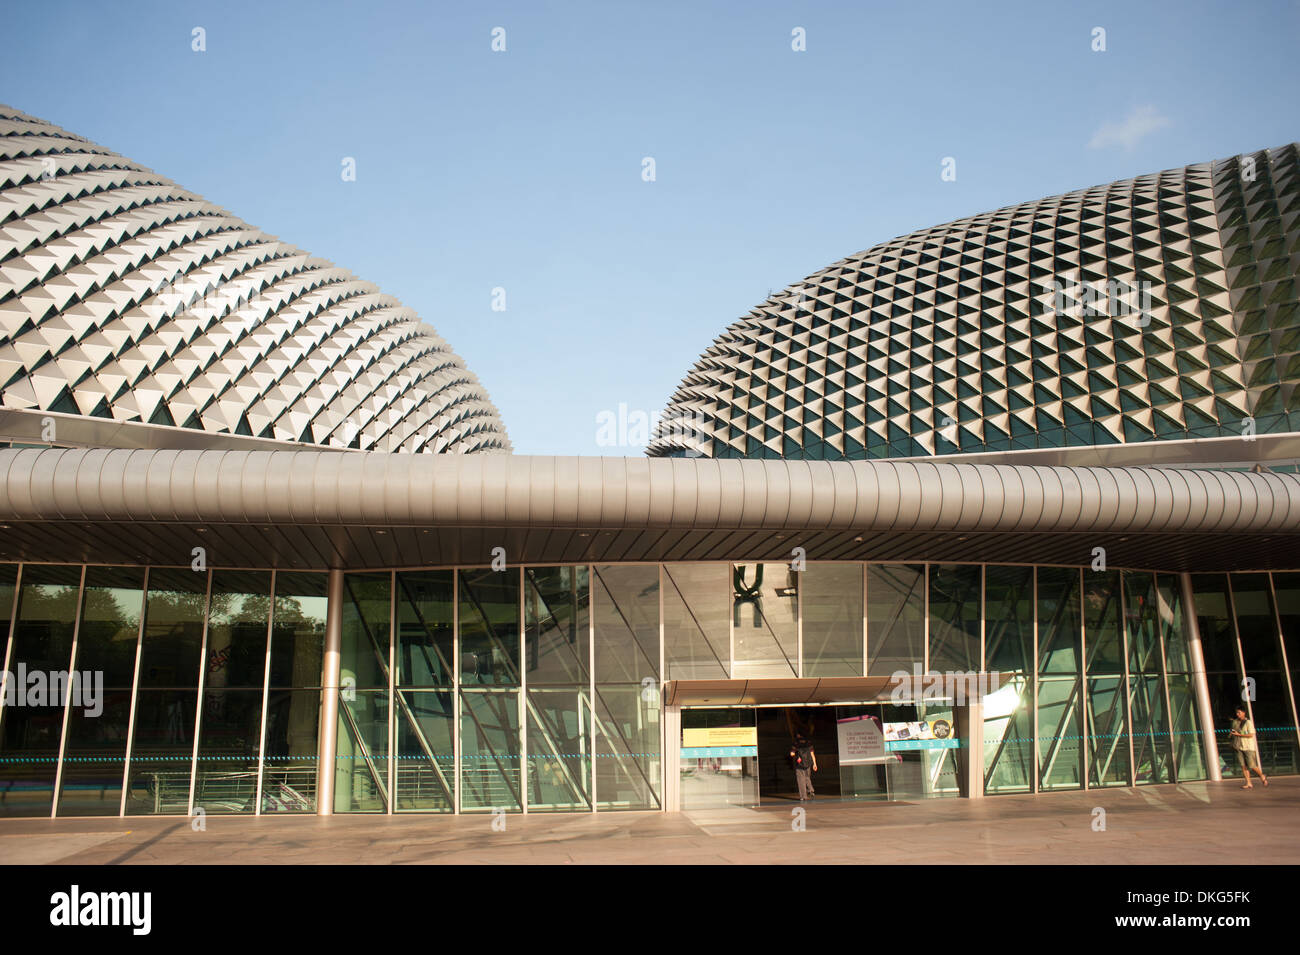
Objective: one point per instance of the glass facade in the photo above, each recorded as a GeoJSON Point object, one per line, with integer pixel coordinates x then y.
{"type": "Point", "coordinates": [539, 688]}
{"type": "Point", "coordinates": [1248, 628]}
{"type": "Point", "coordinates": [180, 690]}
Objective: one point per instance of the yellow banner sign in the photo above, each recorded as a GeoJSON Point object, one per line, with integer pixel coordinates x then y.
{"type": "Point", "coordinates": [720, 736]}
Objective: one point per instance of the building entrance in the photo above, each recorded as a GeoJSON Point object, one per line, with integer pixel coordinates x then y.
{"type": "Point", "coordinates": [739, 756]}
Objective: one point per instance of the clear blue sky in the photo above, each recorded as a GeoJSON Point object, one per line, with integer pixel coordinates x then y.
{"type": "Point", "coordinates": [522, 169]}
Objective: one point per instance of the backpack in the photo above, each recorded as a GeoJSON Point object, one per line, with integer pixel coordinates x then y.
{"type": "Point", "coordinates": [803, 756]}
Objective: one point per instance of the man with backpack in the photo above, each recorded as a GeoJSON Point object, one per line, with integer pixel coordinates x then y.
{"type": "Point", "coordinates": [805, 764]}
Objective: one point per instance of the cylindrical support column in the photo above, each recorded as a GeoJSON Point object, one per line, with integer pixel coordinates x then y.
{"type": "Point", "coordinates": [329, 710]}
{"type": "Point", "coordinates": [672, 758]}
{"type": "Point", "coordinates": [970, 719]}
{"type": "Point", "coordinates": [1200, 685]}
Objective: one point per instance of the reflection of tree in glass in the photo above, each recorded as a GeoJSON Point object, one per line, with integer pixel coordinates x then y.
{"type": "Point", "coordinates": [173, 606]}
{"type": "Point", "coordinates": [45, 602]}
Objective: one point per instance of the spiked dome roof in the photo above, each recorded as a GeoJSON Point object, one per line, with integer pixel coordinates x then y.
{"type": "Point", "coordinates": [123, 296]}
{"type": "Point", "coordinates": [1161, 307]}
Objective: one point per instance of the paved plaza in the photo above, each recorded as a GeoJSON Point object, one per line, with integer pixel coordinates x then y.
{"type": "Point", "coordinates": [1196, 823]}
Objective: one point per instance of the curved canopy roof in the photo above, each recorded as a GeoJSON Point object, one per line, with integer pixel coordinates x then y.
{"type": "Point", "coordinates": [318, 508]}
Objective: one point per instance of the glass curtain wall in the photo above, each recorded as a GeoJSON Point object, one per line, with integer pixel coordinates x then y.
{"type": "Point", "coordinates": [1153, 760]}
{"type": "Point", "coordinates": [203, 689]}
{"type": "Point", "coordinates": [1009, 765]}
{"type": "Point", "coordinates": [625, 610]}
{"type": "Point", "coordinates": [1286, 587]}
{"type": "Point", "coordinates": [161, 749]}
{"type": "Point", "coordinates": [1267, 688]}
{"type": "Point", "coordinates": [234, 675]}
{"type": "Point", "coordinates": [361, 759]}
{"type": "Point", "coordinates": [1059, 686]}
{"type": "Point", "coordinates": [1106, 701]}
{"type": "Point", "coordinates": [765, 621]}
{"type": "Point", "coordinates": [94, 751]}
{"type": "Point", "coordinates": [1184, 725]}
{"type": "Point", "coordinates": [557, 670]}
{"type": "Point", "coordinates": [426, 694]}
{"type": "Point", "coordinates": [293, 694]}
{"type": "Point", "coordinates": [832, 619]}
{"type": "Point", "coordinates": [491, 743]}
{"type": "Point", "coordinates": [32, 720]}
{"type": "Point", "coordinates": [1214, 619]}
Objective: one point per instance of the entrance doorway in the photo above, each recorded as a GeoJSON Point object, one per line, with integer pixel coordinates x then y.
{"type": "Point", "coordinates": [740, 756]}
{"type": "Point", "coordinates": [777, 729]}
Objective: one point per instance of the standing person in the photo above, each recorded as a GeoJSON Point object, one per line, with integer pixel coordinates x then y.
{"type": "Point", "coordinates": [805, 764]}
{"type": "Point", "coordinates": [1243, 741]}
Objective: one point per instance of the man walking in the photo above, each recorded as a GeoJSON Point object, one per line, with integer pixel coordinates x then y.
{"type": "Point", "coordinates": [1243, 741]}
{"type": "Point", "coordinates": [805, 764]}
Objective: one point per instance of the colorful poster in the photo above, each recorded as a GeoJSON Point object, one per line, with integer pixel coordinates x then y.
{"type": "Point", "coordinates": [923, 734]}
{"type": "Point", "coordinates": [861, 741]}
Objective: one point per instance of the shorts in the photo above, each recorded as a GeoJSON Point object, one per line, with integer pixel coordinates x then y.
{"type": "Point", "coordinates": [1248, 759]}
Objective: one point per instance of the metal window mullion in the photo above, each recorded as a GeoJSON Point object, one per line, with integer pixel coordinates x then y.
{"type": "Point", "coordinates": [591, 670]}
{"type": "Point", "coordinates": [659, 695]}
{"type": "Point", "coordinates": [266, 686]}
{"type": "Point", "coordinates": [984, 573]}
{"type": "Point", "coordinates": [198, 702]}
{"type": "Point", "coordinates": [521, 704]}
{"type": "Point", "coordinates": [798, 600]}
{"type": "Point", "coordinates": [67, 691]}
{"type": "Point", "coordinates": [6, 675]}
{"type": "Point", "coordinates": [1164, 679]}
{"type": "Point", "coordinates": [1128, 676]}
{"type": "Point", "coordinates": [925, 621]}
{"type": "Point", "coordinates": [864, 567]}
{"type": "Point", "coordinates": [1287, 682]}
{"type": "Point", "coordinates": [1242, 675]}
{"type": "Point", "coordinates": [135, 695]}
{"type": "Point", "coordinates": [391, 775]}
{"type": "Point", "coordinates": [1033, 684]}
{"type": "Point", "coordinates": [1086, 716]}
{"type": "Point", "coordinates": [455, 686]}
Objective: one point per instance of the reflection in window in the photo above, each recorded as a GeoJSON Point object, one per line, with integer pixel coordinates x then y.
{"type": "Point", "coordinates": [626, 612]}
{"type": "Point", "coordinates": [366, 607]}
{"type": "Point", "coordinates": [426, 757]}
{"type": "Point", "coordinates": [697, 628]}
{"type": "Point", "coordinates": [832, 619]}
{"type": "Point", "coordinates": [162, 746]}
{"type": "Point", "coordinates": [1060, 755]}
{"type": "Point", "coordinates": [425, 634]}
{"type": "Point", "coordinates": [361, 761]}
{"type": "Point", "coordinates": [95, 751]}
{"type": "Point", "coordinates": [954, 617]}
{"type": "Point", "coordinates": [557, 641]}
{"type": "Point", "coordinates": [298, 629]}
{"type": "Point", "coordinates": [490, 750]}
{"type": "Point", "coordinates": [1059, 620]}
{"type": "Point", "coordinates": [627, 747]}
{"type": "Point", "coordinates": [765, 615]}
{"type": "Point", "coordinates": [425, 764]}
{"type": "Point", "coordinates": [489, 627]}
{"type": "Point", "coordinates": [559, 749]}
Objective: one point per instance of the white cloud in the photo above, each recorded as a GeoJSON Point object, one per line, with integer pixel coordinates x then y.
{"type": "Point", "coordinates": [1141, 122]}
